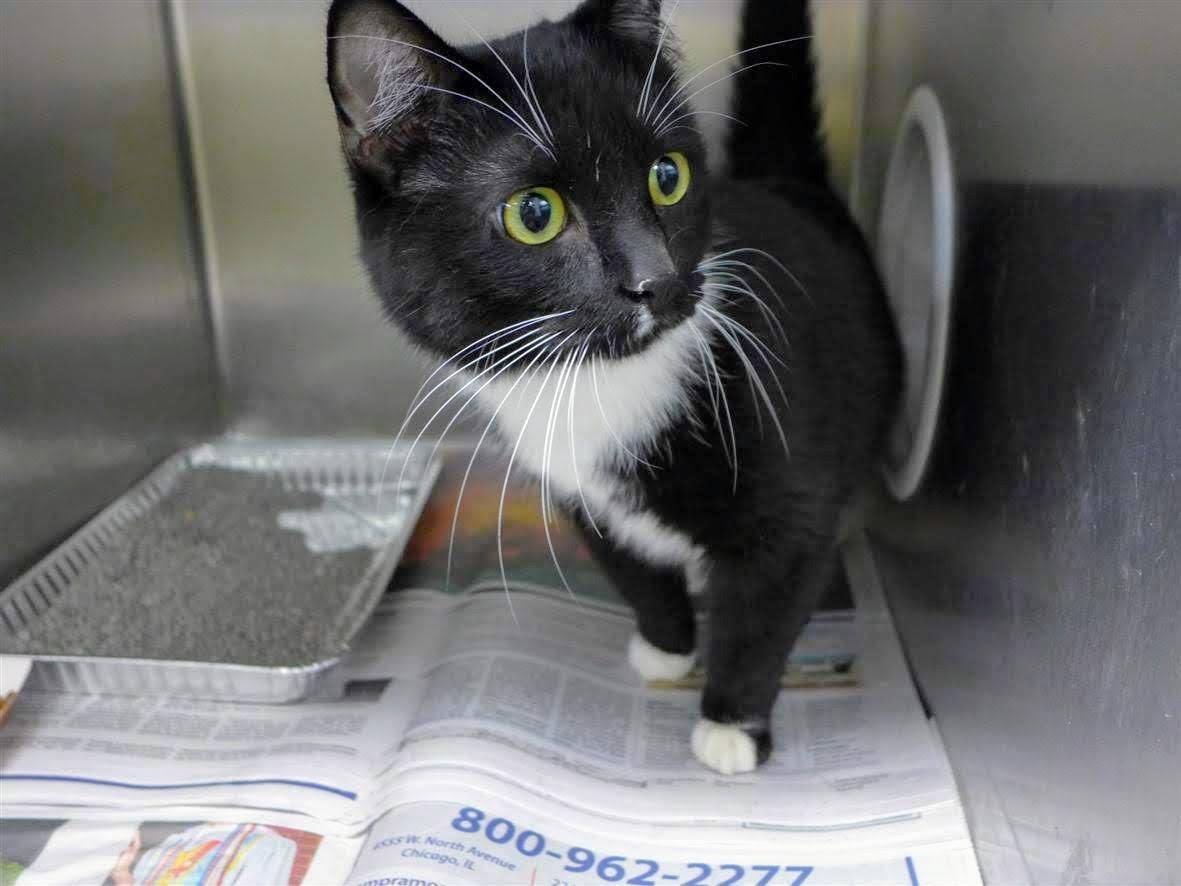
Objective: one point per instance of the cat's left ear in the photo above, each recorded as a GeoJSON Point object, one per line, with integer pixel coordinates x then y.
{"type": "Point", "coordinates": [386, 72]}
{"type": "Point", "coordinates": [634, 20]}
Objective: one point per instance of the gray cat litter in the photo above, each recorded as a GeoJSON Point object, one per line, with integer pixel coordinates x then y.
{"type": "Point", "coordinates": [239, 570]}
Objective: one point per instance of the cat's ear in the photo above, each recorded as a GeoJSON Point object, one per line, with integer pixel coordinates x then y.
{"type": "Point", "coordinates": [634, 20]}
{"type": "Point", "coordinates": [385, 70]}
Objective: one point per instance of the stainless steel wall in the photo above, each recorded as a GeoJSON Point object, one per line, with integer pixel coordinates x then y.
{"type": "Point", "coordinates": [1037, 580]}
{"type": "Point", "coordinates": [104, 353]}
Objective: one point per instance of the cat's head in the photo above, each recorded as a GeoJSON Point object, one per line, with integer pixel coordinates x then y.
{"type": "Point", "coordinates": [553, 172]}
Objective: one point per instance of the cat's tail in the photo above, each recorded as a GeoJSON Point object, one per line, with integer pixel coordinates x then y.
{"type": "Point", "coordinates": [779, 136]}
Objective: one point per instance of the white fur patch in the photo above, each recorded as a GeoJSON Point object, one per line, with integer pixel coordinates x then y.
{"type": "Point", "coordinates": [645, 535]}
{"type": "Point", "coordinates": [583, 431]}
{"type": "Point", "coordinates": [697, 573]}
{"type": "Point", "coordinates": [656, 664]}
{"type": "Point", "coordinates": [619, 406]}
{"type": "Point", "coordinates": [645, 322]}
{"type": "Point", "coordinates": [724, 747]}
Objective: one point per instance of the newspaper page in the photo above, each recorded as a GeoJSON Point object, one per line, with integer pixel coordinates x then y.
{"type": "Point", "coordinates": [542, 694]}
{"type": "Point", "coordinates": [471, 833]}
{"type": "Point", "coordinates": [514, 784]}
{"type": "Point", "coordinates": [425, 661]}
{"type": "Point", "coordinates": [91, 853]}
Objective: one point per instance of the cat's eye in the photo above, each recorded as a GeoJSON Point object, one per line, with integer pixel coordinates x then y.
{"type": "Point", "coordinates": [534, 215]}
{"type": "Point", "coordinates": [668, 179]}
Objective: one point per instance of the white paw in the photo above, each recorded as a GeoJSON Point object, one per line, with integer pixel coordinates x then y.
{"type": "Point", "coordinates": [656, 664]}
{"type": "Point", "coordinates": [723, 747]}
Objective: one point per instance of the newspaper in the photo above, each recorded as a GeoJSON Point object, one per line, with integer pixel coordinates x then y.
{"type": "Point", "coordinates": [470, 741]}
{"type": "Point", "coordinates": [122, 853]}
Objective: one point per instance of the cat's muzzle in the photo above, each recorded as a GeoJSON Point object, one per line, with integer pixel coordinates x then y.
{"type": "Point", "coordinates": [671, 298]}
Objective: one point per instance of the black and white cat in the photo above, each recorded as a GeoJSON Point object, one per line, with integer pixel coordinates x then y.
{"type": "Point", "coordinates": [701, 370]}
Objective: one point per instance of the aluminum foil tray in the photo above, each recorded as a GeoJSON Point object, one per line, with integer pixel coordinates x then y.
{"type": "Point", "coordinates": [239, 570]}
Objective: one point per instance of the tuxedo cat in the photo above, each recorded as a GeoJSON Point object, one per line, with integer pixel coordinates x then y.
{"type": "Point", "coordinates": [700, 369]}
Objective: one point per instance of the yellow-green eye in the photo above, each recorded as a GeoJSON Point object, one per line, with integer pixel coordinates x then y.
{"type": "Point", "coordinates": [668, 179]}
{"type": "Point", "coordinates": [534, 215]}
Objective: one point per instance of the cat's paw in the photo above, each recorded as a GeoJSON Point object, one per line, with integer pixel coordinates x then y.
{"type": "Point", "coordinates": [656, 664]}
{"type": "Point", "coordinates": [724, 747]}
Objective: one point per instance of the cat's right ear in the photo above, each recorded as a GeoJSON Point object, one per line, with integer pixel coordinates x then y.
{"type": "Point", "coordinates": [385, 70]}
{"type": "Point", "coordinates": [637, 21]}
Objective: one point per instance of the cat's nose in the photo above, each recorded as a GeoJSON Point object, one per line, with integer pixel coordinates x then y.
{"type": "Point", "coordinates": [662, 294]}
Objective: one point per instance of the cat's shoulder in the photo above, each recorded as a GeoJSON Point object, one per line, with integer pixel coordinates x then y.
{"type": "Point", "coordinates": [757, 208]}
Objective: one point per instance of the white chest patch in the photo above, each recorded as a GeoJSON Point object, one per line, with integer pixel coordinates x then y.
{"type": "Point", "coordinates": [582, 428]}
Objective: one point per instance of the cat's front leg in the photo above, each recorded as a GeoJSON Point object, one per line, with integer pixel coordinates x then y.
{"type": "Point", "coordinates": [664, 645]}
{"type": "Point", "coordinates": [755, 616]}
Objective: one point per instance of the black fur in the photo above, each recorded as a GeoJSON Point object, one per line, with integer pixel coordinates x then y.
{"type": "Point", "coordinates": [428, 188]}
{"type": "Point", "coordinates": [776, 97]}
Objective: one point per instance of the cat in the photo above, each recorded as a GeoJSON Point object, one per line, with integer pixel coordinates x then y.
{"type": "Point", "coordinates": [701, 370]}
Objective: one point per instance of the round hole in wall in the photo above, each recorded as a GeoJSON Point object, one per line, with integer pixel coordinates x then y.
{"type": "Point", "coordinates": [916, 248]}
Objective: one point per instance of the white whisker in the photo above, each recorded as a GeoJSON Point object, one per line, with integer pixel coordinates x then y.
{"type": "Point", "coordinates": [551, 429]}
{"type": "Point", "coordinates": [662, 116]}
{"type": "Point", "coordinates": [717, 396]}
{"type": "Point", "coordinates": [743, 288]}
{"type": "Point", "coordinates": [752, 376]}
{"type": "Point", "coordinates": [516, 117]}
{"type": "Point", "coordinates": [547, 453]}
{"type": "Point", "coordinates": [516, 82]}
{"type": "Point", "coordinates": [471, 462]}
{"type": "Point", "coordinates": [646, 90]}
{"type": "Point", "coordinates": [532, 321]}
{"type": "Point", "coordinates": [525, 131]}
{"type": "Point", "coordinates": [748, 249]}
{"type": "Point", "coordinates": [416, 403]}
{"type": "Point", "coordinates": [573, 444]}
{"type": "Point", "coordinates": [509, 470]}
{"type": "Point", "coordinates": [761, 350]}
{"type": "Point", "coordinates": [730, 263]}
{"type": "Point", "coordinates": [529, 85]}
{"type": "Point", "coordinates": [426, 425]}
{"type": "Point", "coordinates": [516, 358]}
{"type": "Point", "coordinates": [710, 67]}
{"type": "Point", "coordinates": [683, 126]}
{"type": "Point", "coordinates": [760, 346]}
{"type": "Point", "coordinates": [709, 381]}
{"type": "Point", "coordinates": [669, 126]}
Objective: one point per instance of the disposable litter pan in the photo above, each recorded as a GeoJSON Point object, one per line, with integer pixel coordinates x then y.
{"type": "Point", "coordinates": [239, 570]}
